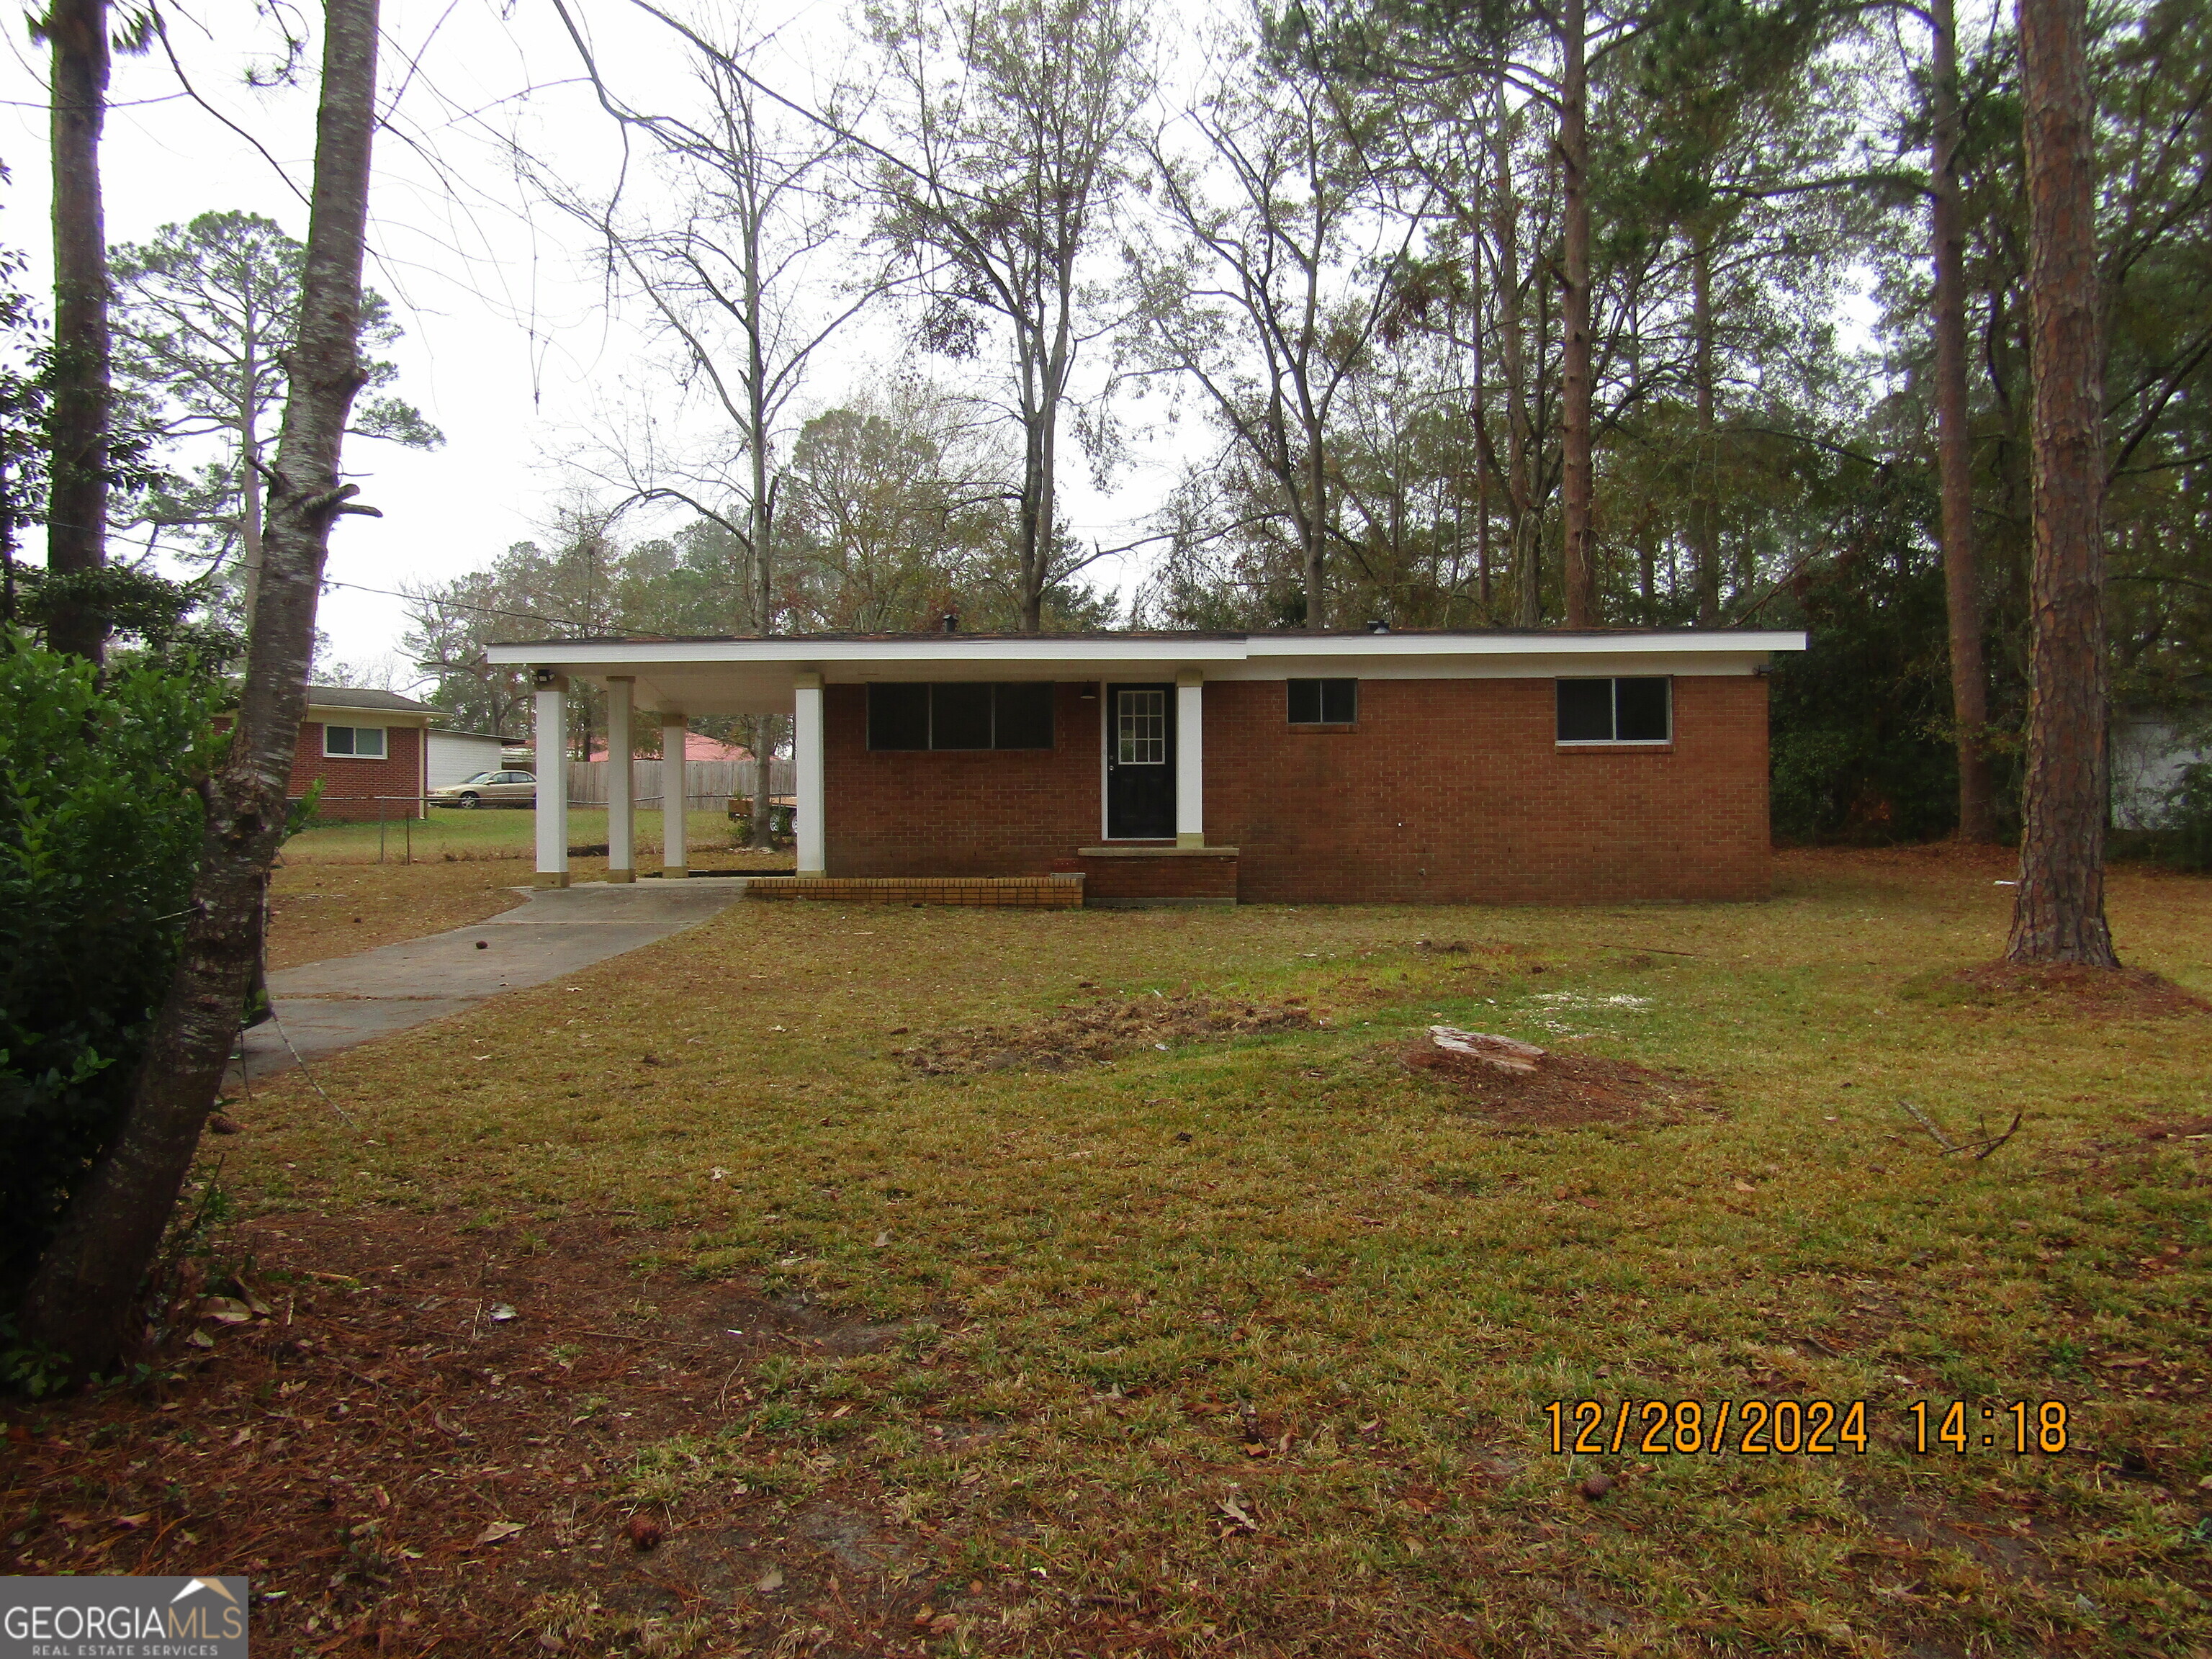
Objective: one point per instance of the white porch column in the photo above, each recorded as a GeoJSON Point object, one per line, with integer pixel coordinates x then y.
{"type": "Point", "coordinates": [811, 829]}
{"type": "Point", "coordinates": [675, 856]}
{"type": "Point", "coordinates": [1190, 758]}
{"type": "Point", "coordinates": [552, 793]}
{"type": "Point", "coordinates": [622, 780]}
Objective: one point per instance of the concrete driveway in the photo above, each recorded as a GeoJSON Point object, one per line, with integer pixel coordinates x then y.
{"type": "Point", "coordinates": [329, 1005]}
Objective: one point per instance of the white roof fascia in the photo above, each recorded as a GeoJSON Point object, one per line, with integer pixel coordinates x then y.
{"type": "Point", "coordinates": [1045, 649]}
{"type": "Point", "coordinates": [1522, 645]}
{"type": "Point", "coordinates": [1593, 664]}
{"type": "Point", "coordinates": [601, 657]}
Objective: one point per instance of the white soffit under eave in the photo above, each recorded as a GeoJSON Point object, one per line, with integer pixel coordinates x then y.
{"type": "Point", "coordinates": [1076, 657]}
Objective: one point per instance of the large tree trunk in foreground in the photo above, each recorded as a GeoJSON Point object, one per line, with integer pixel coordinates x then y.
{"type": "Point", "coordinates": [82, 1299]}
{"type": "Point", "coordinates": [2059, 913]}
{"type": "Point", "coordinates": [1578, 573]}
{"type": "Point", "coordinates": [1969, 686]}
{"type": "Point", "coordinates": [76, 512]}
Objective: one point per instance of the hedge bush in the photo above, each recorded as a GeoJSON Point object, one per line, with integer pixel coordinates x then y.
{"type": "Point", "coordinates": [99, 829]}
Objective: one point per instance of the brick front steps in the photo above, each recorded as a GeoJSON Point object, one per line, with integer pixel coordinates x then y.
{"type": "Point", "coordinates": [1117, 876]}
{"type": "Point", "coordinates": [1056, 892]}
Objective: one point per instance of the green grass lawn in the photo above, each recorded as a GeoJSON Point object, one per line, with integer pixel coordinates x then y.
{"type": "Point", "coordinates": [489, 832]}
{"type": "Point", "coordinates": [1251, 1342]}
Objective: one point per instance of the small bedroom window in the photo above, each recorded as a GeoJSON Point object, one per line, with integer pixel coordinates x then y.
{"type": "Point", "coordinates": [1324, 702]}
{"type": "Point", "coordinates": [1616, 711]}
{"type": "Point", "coordinates": [354, 741]}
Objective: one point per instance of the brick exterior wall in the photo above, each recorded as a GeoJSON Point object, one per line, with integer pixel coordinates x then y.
{"type": "Point", "coordinates": [399, 773]}
{"type": "Point", "coordinates": [958, 813]}
{"type": "Point", "coordinates": [1456, 792]}
{"type": "Point", "coordinates": [1445, 791]}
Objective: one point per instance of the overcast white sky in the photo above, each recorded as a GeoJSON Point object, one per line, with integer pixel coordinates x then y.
{"type": "Point", "coordinates": [509, 349]}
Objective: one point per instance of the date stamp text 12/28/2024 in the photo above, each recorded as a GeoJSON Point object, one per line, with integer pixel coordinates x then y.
{"type": "Point", "coordinates": [1766, 1428]}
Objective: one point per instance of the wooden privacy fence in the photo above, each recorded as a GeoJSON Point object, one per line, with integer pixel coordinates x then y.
{"type": "Point", "coordinates": [707, 785]}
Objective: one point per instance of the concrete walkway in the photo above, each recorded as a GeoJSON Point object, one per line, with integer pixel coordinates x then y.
{"type": "Point", "coordinates": [329, 1005]}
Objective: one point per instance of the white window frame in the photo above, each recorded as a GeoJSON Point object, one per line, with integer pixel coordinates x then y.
{"type": "Point", "coordinates": [383, 743]}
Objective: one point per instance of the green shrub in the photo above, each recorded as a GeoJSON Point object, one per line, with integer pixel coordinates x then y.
{"type": "Point", "coordinates": [99, 830]}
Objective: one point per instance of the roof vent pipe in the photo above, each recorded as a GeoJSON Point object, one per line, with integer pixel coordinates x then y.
{"type": "Point", "coordinates": [1377, 625]}
{"type": "Point", "coordinates": [952, 622]}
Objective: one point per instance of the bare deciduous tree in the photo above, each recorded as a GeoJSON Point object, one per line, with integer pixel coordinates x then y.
{"type": "Point", "coordinates": [732, 279]}
{"type": "Point", "coordinates": [1272, 298]}
{"type": "Point", "coordinates": [1012, 136]}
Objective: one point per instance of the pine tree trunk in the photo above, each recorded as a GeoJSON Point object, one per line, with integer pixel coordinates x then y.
{"type": "Point", "coordinates": [1521, 528]}
{"type": "Point", "coordinates": [77, 508]}
{"type": "Point", "coordinates": [1479, 404]}
{"type": "Point", "coordinates": [1579, 572]}
{"type": "Point", "coordinates": [2058, 916]}
{"type": "Point", "coordinates": [1705, 507]}
{"type": "Point", "coordinates": [1969, 689]}
{"type": "Point", "coordinates": [82, 1298]}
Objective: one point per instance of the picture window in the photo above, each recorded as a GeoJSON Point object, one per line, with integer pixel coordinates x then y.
{"type": "Point", "coordinates": [961, 715]}
{"type": "Point", "coordinates": [1324, 702]}
{"type": "Point", "coordinates": [1620, 710]}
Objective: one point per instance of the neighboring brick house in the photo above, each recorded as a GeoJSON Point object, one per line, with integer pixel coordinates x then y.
{"type": "Point", "coordinates": [368, 750]}
{"type": "Point", "coordinates": [1497, 766]}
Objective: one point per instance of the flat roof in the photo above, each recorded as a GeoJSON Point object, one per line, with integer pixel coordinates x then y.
{"type": "Point", "coordinates": [737, 674]}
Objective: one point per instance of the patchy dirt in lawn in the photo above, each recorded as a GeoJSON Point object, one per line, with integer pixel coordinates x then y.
{"type": "Point", "coordinates": [438, 1437]}
{"type": "Point", "coordinates": [1563, 1092]}
{"type": "Point", "coordinates": [2069, 991]}
{"type": "Point", "coordinates": [1095, 1032]}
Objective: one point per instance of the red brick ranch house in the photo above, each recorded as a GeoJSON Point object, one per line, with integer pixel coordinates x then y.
{"type": "Point", "coordinates": [367, 749]}
{"type": "Point", "coordinates": [1447, 767]}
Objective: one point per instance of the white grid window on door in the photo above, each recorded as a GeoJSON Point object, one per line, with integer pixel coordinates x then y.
{"type": "Point", "coordinates": [1141, 736]}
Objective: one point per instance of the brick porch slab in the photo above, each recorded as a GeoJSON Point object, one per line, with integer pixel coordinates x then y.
{"type": "Point", "coordinates": [1055, 892]}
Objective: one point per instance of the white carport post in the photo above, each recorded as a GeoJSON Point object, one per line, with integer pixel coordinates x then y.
{"type": "Point", "coordinates": [1190, 758]}
{"type": "Point", "coordinates": [674, 855]}
{"type": "Point", "coordinates": [622, 780]}
{"type": "Point", "coordinates": [552, 792]}
{"type": "Point", "coordinates": [806, 763]}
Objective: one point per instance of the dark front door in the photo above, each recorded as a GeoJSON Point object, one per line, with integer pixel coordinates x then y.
{"type": "Point", "coordinates": [1140, 763]}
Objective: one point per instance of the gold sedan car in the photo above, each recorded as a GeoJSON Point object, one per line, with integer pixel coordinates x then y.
{"type": "Point", "coordinates": [503, 789]}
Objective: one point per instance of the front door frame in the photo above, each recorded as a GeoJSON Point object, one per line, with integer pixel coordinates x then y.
{"type": "Point", "coordinates": [1107, 723]}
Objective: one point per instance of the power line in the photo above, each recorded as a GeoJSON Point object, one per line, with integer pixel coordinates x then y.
{"type": "Point", "coordinates": [460, 605]}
